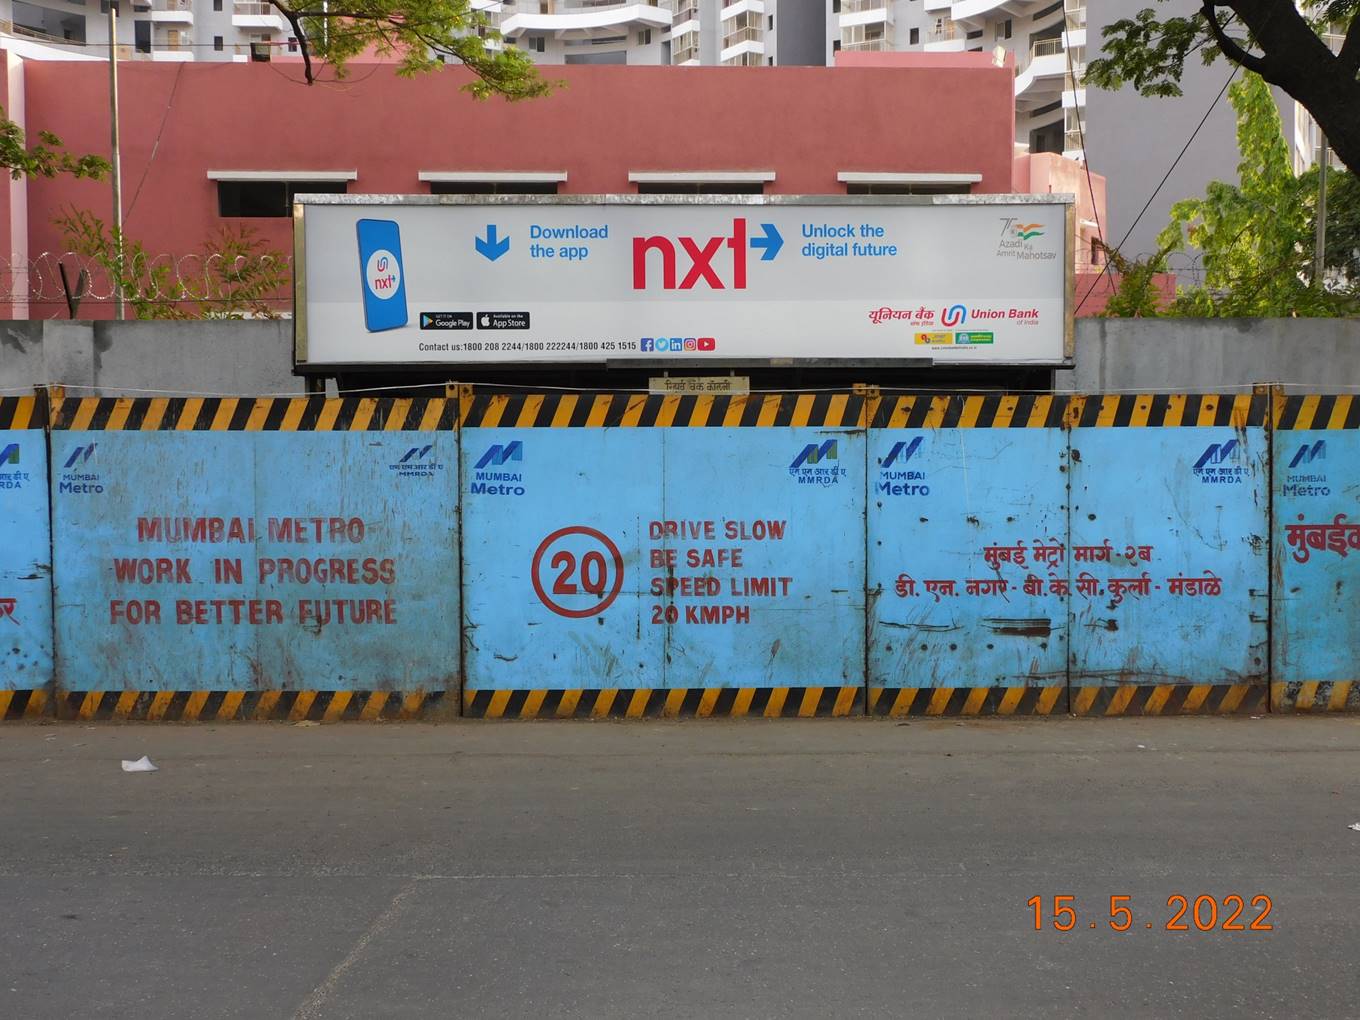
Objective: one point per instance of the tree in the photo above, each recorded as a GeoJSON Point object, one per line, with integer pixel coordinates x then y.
{"type": "Point", "coordinates": [421, 32]}
{"type": "Point", "coordinates": [1136, 295]}
{"type": "Point", "coordinates": [235, 277]}
{"type": "Point", "coordinates": [1342, 254]}
{"type": "Point", "coordinates": [1255, 236]}
{"type": "Point", "coordinates": [1272, 38]}
{"type": "Point", "coordinates": [46, 159]}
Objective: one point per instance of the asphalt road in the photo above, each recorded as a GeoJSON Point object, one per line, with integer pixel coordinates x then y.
{"type": "Point", "coordinates": [693, 869]}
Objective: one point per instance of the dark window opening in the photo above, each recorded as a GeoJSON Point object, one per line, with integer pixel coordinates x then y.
{"type": "Point", "coordinates": [269, 198]}
{"type": "Point", "coordinates": [493, 187]}
{"type": "Point", "coordinates": [141, 36]}
{"type": "Point", "coordinates": [217, 43]}
{"type": "Point", "coordinates": [915, 36]}
{"type": "Point", "coordinates": [1051, 9]}
{"type": "Point", "coordinates": [745, 188]}
{"type": "Point", "coordinates": [1048, 138]}
{"type": "Point", "coordinates": [908, 189]}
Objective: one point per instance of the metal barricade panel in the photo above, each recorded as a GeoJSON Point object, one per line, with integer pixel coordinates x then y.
{"type": "Point", "coordinates": [25, 562]}
{"type": "Point", "coordinates": [967, 538]}
{"type": "Point", "coordinates": [255, 558]}
{"type": "Point", "coordinates": [1315, 625]}
{"type": "Point", "coordinates": [1168, 558]}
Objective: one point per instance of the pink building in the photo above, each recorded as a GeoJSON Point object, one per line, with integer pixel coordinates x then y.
{"type": "Point", "coordinates": [206, 145]}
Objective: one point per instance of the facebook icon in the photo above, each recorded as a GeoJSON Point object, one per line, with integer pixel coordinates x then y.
{"type": "Point", "coordinates": [648, 343]}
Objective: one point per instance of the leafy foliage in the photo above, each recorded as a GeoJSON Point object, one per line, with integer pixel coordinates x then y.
{"type": "Point", "coordinates": [1137, 295]}
{"type": "Point", "coordinates": [1276, 39]}
{"type": "Point", "coordinates": [46, 159]}
{"type": "Point", "coordinates": [238, 277]}
{"type": "Point", "coordinates": [1255, 236]}
{"type": "Point", "coordinates": [419, 33]}
{"type": "Point", "coordinates": [1342, 255]}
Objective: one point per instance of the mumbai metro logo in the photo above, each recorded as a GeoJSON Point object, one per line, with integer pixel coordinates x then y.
{"type": "Point", "coordinates": [79, 455]}
{"type": "Point", "coordinates": [901, 451]}
{"type": "Point", "coordinates": [499, 456]}
{"type": "Point", "coordinates": [1306, 455]}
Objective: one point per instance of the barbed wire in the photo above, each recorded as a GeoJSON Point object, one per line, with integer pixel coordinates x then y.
{"type": "Point", "coordinates": [163, 278]}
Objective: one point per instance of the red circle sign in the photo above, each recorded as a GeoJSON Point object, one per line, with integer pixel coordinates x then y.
{"type": "Point", "coordinates": [577, 572]}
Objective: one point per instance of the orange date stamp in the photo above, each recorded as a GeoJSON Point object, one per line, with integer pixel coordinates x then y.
{"type": "Point", "coordinates": [1202, 913]}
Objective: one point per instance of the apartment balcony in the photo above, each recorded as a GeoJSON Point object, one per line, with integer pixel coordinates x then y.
{"type": "Point", "coordinates": [173, 12]}
{"type": "Point", "coordinates": [855, 13]}
{"type": "Point", "coordinates": [257, 16]}
{"type": "Point", "coordinates": [743, 46]}
{"type": "Point", "coordinates": [1075, 13]}
{"type": "Point", "coordinates": [872, 38]}
{"type": "Point", "coordinates": [979, 12]}
{"type": "Point", "coordinates": [736, 8]}
{"type": "Point", "coordinates": [686, 10]}
{"type": "Point", "coordinates": [945, 37]}
{"type": "Point", "coordinates": [1043, 71]}
{"type": "Point", "coordinates": [585, 21]}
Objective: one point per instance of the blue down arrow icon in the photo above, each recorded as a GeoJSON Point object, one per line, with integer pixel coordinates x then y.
{"type": "Point", "coordinates": [771, 242]}
{"type": "Point", "coordinates": [489, 246]}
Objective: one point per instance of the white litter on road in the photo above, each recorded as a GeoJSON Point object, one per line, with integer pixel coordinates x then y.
{"type": "Point", "coordinates": [142, 764]}
{"type": "Point", "coordinates": [1355, 826]}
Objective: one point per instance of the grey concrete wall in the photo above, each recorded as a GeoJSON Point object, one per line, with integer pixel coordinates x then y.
{"type": "Point", "coordinates": [253, 358]}
{"type": "Point", "coordinates": [1317, 355]}
{"type": "Point", "coordinates": [233, 357]}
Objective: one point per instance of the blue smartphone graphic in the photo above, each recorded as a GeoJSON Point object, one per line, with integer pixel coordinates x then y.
{"type": "Point", "coordinates": [381, 275]}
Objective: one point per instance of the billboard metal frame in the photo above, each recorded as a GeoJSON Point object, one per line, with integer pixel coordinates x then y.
{"type": "Point", "coordinates": [301, 365]}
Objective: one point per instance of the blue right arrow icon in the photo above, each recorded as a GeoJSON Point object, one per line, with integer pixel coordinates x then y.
{"type": "Point", "coordinates": [771, 242]}
{"type": "Point", "coordinates": [491, 247]}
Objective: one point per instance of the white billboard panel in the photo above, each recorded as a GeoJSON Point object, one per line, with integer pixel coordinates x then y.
{"type": "Point", "coordinates": [388, 280]}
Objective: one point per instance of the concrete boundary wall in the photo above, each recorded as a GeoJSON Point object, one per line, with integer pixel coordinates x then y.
{"type": "Point", "coordinates": [617, 555]}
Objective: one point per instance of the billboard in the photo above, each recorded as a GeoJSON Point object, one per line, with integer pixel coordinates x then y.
{"type": "Point", "coordinates": [410, 280]}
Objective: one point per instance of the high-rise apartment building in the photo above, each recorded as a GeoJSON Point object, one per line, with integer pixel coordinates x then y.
{"type": "Point", "coordinates": [1047, 40]}
{"type": "Point", "coordinates": [682, 32]}
{"type": "Point", "coordinates": [160, 30]}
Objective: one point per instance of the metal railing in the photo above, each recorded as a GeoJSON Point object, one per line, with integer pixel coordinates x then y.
{"type": "Point", "coordinates": [875, 45]}
{"type": "Point", "coordinates": [175, 5]}
{"type": "Point", "coordinates": [1045, 48]}
{"type": "Point", "coordinates": [946, 33]}
{"type": "Point", "coordinates": [866, 6]}
{"type": "Point", "coordinates": [741, 35]}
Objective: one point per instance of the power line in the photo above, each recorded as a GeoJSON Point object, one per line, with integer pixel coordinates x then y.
{"type": "Point", "coordinates": [1166, 176]}
{"type": "Point", "coordinates": [1085, 160]}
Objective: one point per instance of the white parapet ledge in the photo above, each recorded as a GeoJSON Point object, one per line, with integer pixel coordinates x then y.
{"type": "Point", "coordinates": [492, 176]}
{"type": "Point", "coordinates": [701, 176]}
{"type": "Point", "coordinates": [283, 175]}
{"type": "Point", "coordinates": [876, 177]}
